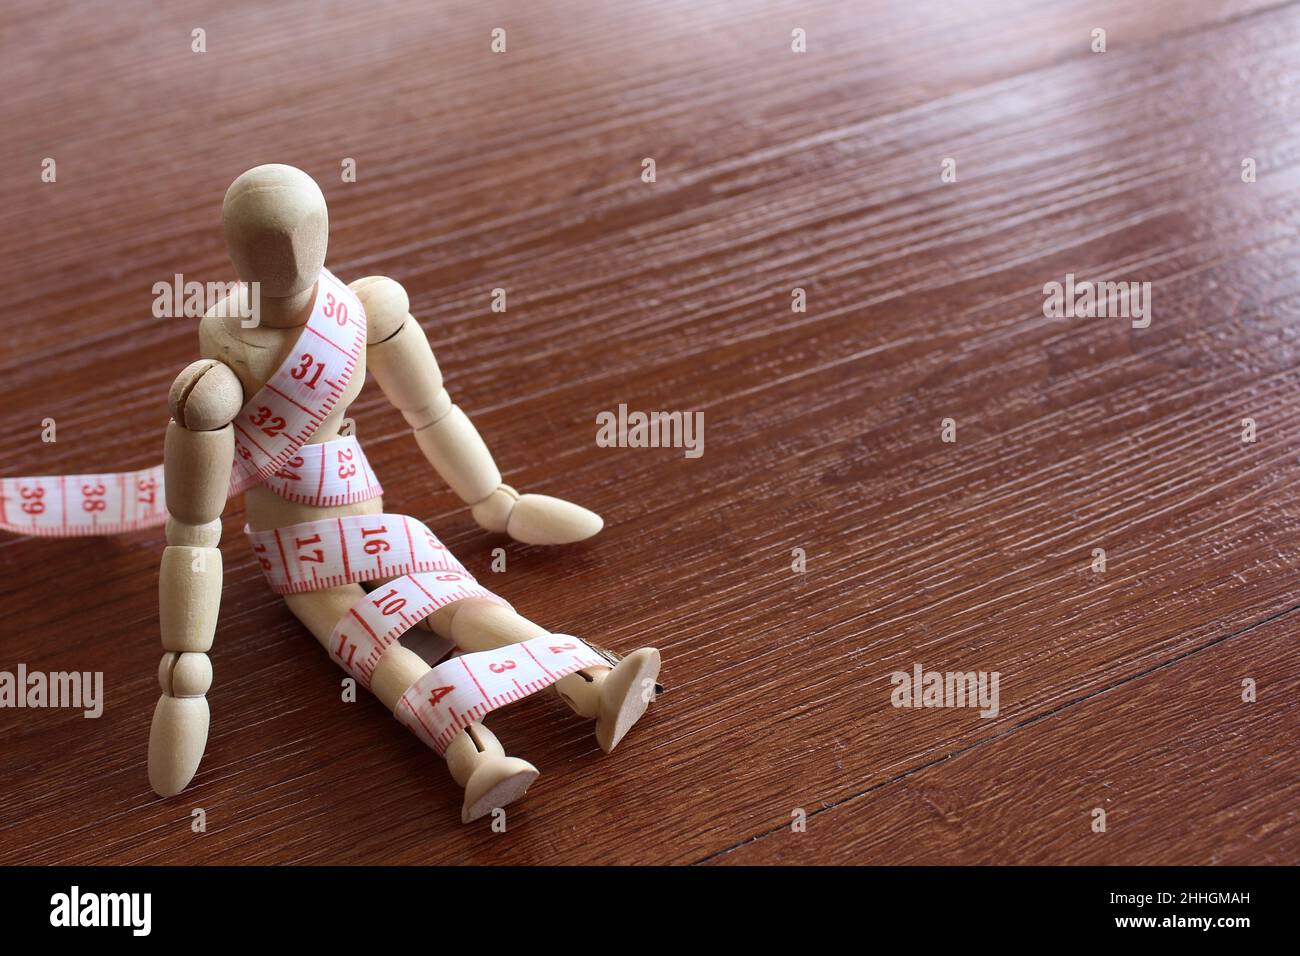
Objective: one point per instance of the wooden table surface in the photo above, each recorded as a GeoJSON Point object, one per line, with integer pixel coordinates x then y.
{"type": "Point", "coordinates": [1120, 690]}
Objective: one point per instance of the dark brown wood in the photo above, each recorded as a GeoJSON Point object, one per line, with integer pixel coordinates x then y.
{"type": "Point", "coordinates": [1161, 755]}
{"type": "Point", "coordinates": [1119, 690]}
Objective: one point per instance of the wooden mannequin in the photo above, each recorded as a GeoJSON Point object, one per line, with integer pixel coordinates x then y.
{"type": "Point", "coordinates": [276, 227]}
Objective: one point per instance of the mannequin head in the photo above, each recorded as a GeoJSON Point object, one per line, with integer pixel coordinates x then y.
{"type": "Point", "coordinates": [277, 228]}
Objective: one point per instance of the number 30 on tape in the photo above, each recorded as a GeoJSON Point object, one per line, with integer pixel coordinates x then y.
{"type": "Point", "coordinates": [270, 429]}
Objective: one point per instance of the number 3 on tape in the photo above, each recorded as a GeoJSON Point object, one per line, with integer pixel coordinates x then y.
{"type": "Point", "coordinates": [466, 688]}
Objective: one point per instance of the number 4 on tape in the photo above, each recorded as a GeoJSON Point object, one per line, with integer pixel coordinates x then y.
{"type": "Point", "coordinates": [466, 688]}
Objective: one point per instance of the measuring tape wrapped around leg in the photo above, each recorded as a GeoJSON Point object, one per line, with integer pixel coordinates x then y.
{"type": "Point", "coordinates": [467, 687]}
{"type": "Point", "coordinates": [425, 576]}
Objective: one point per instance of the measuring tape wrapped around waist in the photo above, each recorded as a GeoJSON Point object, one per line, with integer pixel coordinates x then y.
{"type": "Point", "coordinates": [327, 474]}
{"type": "Point", "coordinates": [269, 430]}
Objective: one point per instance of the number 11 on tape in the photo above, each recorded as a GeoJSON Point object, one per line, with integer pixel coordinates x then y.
{"type": "Point", "coordinates": [465, 688]}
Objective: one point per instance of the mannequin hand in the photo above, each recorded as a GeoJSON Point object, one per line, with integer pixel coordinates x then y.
{"type": "Point", "coordinates": [536, 519]}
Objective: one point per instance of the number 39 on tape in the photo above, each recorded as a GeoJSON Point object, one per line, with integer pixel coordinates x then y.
{"type": "Point", "coordinates": [66, 505]}
{"type": "Point", "coordinates": [269, 430]}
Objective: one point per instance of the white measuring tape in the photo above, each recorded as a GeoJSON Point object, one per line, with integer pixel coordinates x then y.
{"type": "Point", "coordinates": [327, 474]}
{"type": "Point", "coordinates": [466, 688]}
{"type": "Point", "coordinates": [269, 431]}
{"type": "Point", "coordinates": [271, 435]}
{"type": "Point", "coordinates": [335, 551]}
{"type": "Point", "coordinates": [288, 409]}
{"type": "Point", "coordinates": [379, 618]}
{"type": "Point", "coordinates": [67, 506]}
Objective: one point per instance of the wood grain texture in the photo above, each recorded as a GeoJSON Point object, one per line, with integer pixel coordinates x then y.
{"type": "Point", "coordinates": [775, 170]}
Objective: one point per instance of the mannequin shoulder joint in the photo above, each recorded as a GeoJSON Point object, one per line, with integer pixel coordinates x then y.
{"type": "Point", "coordinates": [386, 303]}
{"type": "Point", "coordinates": [206, 395]}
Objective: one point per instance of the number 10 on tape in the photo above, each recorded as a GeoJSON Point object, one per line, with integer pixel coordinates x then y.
{"type": "Point", "coordinates": [463, 689]}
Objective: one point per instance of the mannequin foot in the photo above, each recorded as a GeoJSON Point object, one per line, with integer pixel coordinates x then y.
{"type": "Point", "coordinates": [625, 693]}
{"type": "Point", "coordinates": [491, 779]}
{"type": "Point", "coordinates": [497, 781]}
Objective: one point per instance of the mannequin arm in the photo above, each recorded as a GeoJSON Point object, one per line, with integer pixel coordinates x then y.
{"type": "Point", "coordinates": [198, 454]}
{"type": "Point", "coordinates": [398, 354]}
